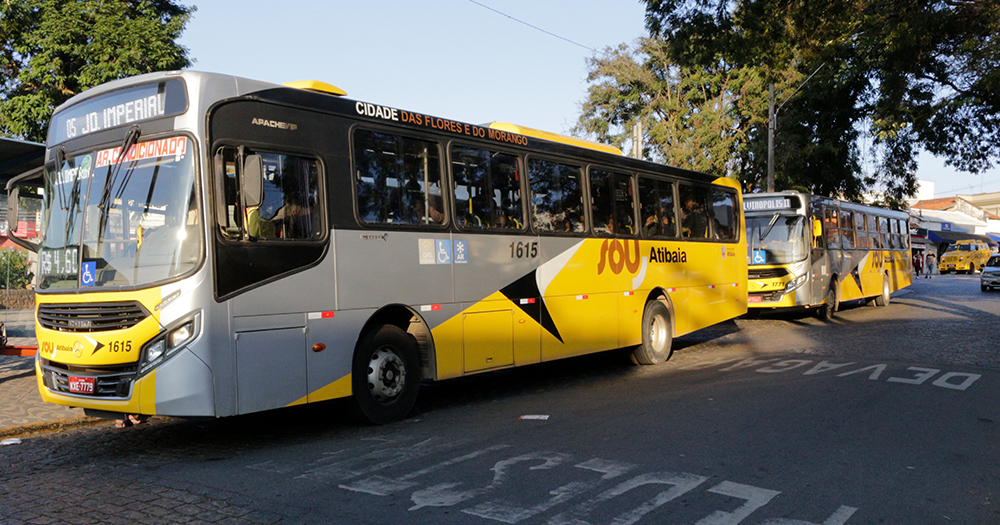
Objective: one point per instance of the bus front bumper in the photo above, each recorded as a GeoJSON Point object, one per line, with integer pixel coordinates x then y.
{"type": "Point", "coordinates": [181, 386]}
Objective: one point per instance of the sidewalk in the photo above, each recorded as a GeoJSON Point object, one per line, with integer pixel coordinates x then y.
{"type": "Point", "coordinates": [21, 406]}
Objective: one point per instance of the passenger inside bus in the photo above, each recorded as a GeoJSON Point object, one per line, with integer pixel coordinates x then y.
{"type": "Point", "coordinates": [695, 222]}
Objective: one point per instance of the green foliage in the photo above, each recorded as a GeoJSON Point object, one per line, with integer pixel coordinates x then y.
{"type": "Point", "coordinates": [14, 270]}
{"type": "Point", "coordinates": [692, 117]}
{"type": "Point", "coordinates": [910, 74]}
{"type": "Point", "coordinates": [51, 50]}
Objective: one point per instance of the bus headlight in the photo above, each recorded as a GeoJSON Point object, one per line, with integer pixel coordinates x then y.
{"type": "Point", "coordinates": [164, 345]}
{"type": "Point", "coordinates": [795, 283]}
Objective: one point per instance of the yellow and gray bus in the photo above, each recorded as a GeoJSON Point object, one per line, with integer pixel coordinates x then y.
{"type": "Point", "coordinates": [215, 246]}
{"type": "Point", "coordinates": [807, 251]}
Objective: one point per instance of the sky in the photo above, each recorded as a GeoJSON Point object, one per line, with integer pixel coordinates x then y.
{"type": "Point", "coordinates": [466, 60]}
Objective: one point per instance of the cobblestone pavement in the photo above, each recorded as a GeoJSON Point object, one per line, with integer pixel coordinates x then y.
{"type": "Point", "coordinates": [21, 407]}
{"type": "Point", "coordinates": [93, 473]}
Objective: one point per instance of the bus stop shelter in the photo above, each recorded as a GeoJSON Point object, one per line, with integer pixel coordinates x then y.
{"type": "Point", "coordinates": [16, 157]}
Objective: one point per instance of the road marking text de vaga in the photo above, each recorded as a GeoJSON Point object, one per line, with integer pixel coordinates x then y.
{"type": "Point", "coordinates": [914, 375]}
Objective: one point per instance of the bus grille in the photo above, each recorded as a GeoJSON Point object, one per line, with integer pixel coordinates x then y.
{"type": "Point", "coordinates": [91, 317]}
{"type": "Point", "coordinates": [766, 273]}
{"type": "Point", "coordinates": [109, 381]}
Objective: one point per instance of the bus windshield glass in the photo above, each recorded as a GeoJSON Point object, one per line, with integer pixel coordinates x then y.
{"type": "Point", "coordinates": [781, 238]}
{"type": "Point", "coordinates": [114, 220]}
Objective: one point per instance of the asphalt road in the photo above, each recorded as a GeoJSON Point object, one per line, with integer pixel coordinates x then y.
{"type": "Point", "coordinates": [885, 415]}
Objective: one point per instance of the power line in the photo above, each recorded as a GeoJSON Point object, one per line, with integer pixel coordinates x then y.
{"type": "Point", "coordinates": [534, 27]}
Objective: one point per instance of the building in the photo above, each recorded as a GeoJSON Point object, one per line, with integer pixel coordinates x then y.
{"type": "Point", "coordinates": [936, 223]}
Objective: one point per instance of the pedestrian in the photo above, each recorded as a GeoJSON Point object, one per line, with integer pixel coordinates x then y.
{"type": "Point", "coordinates": [918, 263]}
{"type": "Point", "coordinates": [929, 264]}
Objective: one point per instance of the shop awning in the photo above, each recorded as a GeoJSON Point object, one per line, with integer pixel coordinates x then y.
{"type": "Point", "coordinates": [951, 237]}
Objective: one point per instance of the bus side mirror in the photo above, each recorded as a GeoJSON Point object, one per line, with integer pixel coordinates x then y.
{"type": "Point", "coordinates": [252, 181]}
{"type": "Point", "coordinates": [817, 228]}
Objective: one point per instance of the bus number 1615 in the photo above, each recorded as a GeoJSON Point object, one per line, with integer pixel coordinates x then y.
{"type": "Point", "coordinates": [524, 250]}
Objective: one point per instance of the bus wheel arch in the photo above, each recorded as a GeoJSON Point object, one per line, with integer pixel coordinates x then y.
{"type": "Point", "coordinates": [409, 321]}
{"type": "Point", "coordinates": [657, 330]}
{"type": "Point", "coordinates": [388, 364]}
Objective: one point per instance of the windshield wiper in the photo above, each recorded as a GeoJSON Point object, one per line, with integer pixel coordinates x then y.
{"type": "Point", "coordinates": [770, 226]}
{"type": "Point", "coordinates": [131, 139]}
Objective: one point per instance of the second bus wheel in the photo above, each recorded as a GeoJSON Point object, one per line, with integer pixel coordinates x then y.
{"type": "Point", "coordinates": [657, 335]}
{"type": "Point", "coordinates": [883, 298]}
{"type": "Point", "coordinates": [386, 375]}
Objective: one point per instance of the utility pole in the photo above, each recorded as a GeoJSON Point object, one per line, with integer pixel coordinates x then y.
{"type": "Point", "coordinates": [770, 139]}
{"type": "Point", "coordinates": [772, 123]}
{"type": "Point", "coordinates": [636, 140]}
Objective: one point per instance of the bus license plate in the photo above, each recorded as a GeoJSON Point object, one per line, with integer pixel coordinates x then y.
{"type": "Point", "coordinates": [81, 385]}
{"type": "Point", "coordinates": [755, 299]}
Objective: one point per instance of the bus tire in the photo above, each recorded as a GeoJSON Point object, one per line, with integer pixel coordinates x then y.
{"type": "Point", "coordinates": [828, 310]}
{"type": "Point", "coordinates": [883, 298]}
{"type": "Point", "coordinates": [385, 375]}
{"type": "Point", "coordinates": [657, 336]}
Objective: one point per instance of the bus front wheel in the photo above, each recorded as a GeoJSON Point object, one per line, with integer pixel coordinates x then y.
{"type": "Point", "coordinates": [657, 336]}
{"type": "Point", "coordinates": [386, 375]}
{"type": "Point", "coordinates": [828, 309]}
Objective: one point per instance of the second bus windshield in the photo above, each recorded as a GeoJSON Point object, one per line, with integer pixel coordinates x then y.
{"type": "Point", "coordinates": [783, 242]}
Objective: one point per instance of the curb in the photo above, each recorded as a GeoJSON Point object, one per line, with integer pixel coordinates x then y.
{"type": "Point", "coordinates": [45, 427]}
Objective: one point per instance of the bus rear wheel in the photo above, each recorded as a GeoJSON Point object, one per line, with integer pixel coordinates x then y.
{"type": "Point", "coordinates": [657, 336]}
{"type": "Point", "coordinates": [883, 298]}
{"type": "Point", "coordinates": [385, 375]}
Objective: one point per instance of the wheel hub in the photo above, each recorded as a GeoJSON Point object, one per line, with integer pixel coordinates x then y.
{"type": "Point", "coordinates": [386, 375]}
{"type": "Point", "coordinates": [658, 333]}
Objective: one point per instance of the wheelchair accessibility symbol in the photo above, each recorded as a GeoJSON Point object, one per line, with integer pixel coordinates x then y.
{"type": "Point", "coordinates": [87, 273]}
{"type": "Point", "coordinates": [443, 251]}
{"type": "Point", "coordinates": [759, 257]}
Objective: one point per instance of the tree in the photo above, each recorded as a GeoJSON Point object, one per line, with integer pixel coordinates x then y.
{"type": "Point", "coordinates": [51, 50]}
{"type": "Point", "coordinates": [713, 118]}
{"type": "Point", "coordinates": [14, 270]}
{"type": "Point", "coordinates": [911, 73]}
{"type": "Point", "coordinates": [691, 116]}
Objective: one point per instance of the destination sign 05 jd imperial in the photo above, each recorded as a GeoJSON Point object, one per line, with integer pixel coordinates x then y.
{"type": "Point", "coordinates": [119, 108]}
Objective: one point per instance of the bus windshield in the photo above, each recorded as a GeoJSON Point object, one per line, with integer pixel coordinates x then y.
{"type": "Point", "coordinates": [781, 237]}
{"type": "Point", "coordinates": [114, 220]}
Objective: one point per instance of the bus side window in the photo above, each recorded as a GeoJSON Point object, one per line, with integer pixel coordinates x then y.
{"type": "Point", "coordinates": [694, 212]}
{"type": "Point", "coordinates": [624, 204]}
{"type": "Point", "coordinates": [656, 208]}
{"type": "Point", "coordinates": [397, 179]}
{"type": "Point", "coordinates": [556, 196]}
{"type": "Point", "coordinates": [611, 207]}
{"type": "Point", "coordinates": [290, 208]}
{"type": "Point", "coordinates": [602, 202]}
{"type": "Point", "coordinates": [487, 189]}
{"type": "Point", "coordinates": [832, 232]}
{"type": "Point", "coordinates": [883, 228]}
{"type": "Point", "coordinates": [725, 221]}
{"type": "Point", "coordinates": [862, 234]}
{"type": "Point", "coordinates": [873, 232]}
{"type": "Point", "coordinates": [847, 230]}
